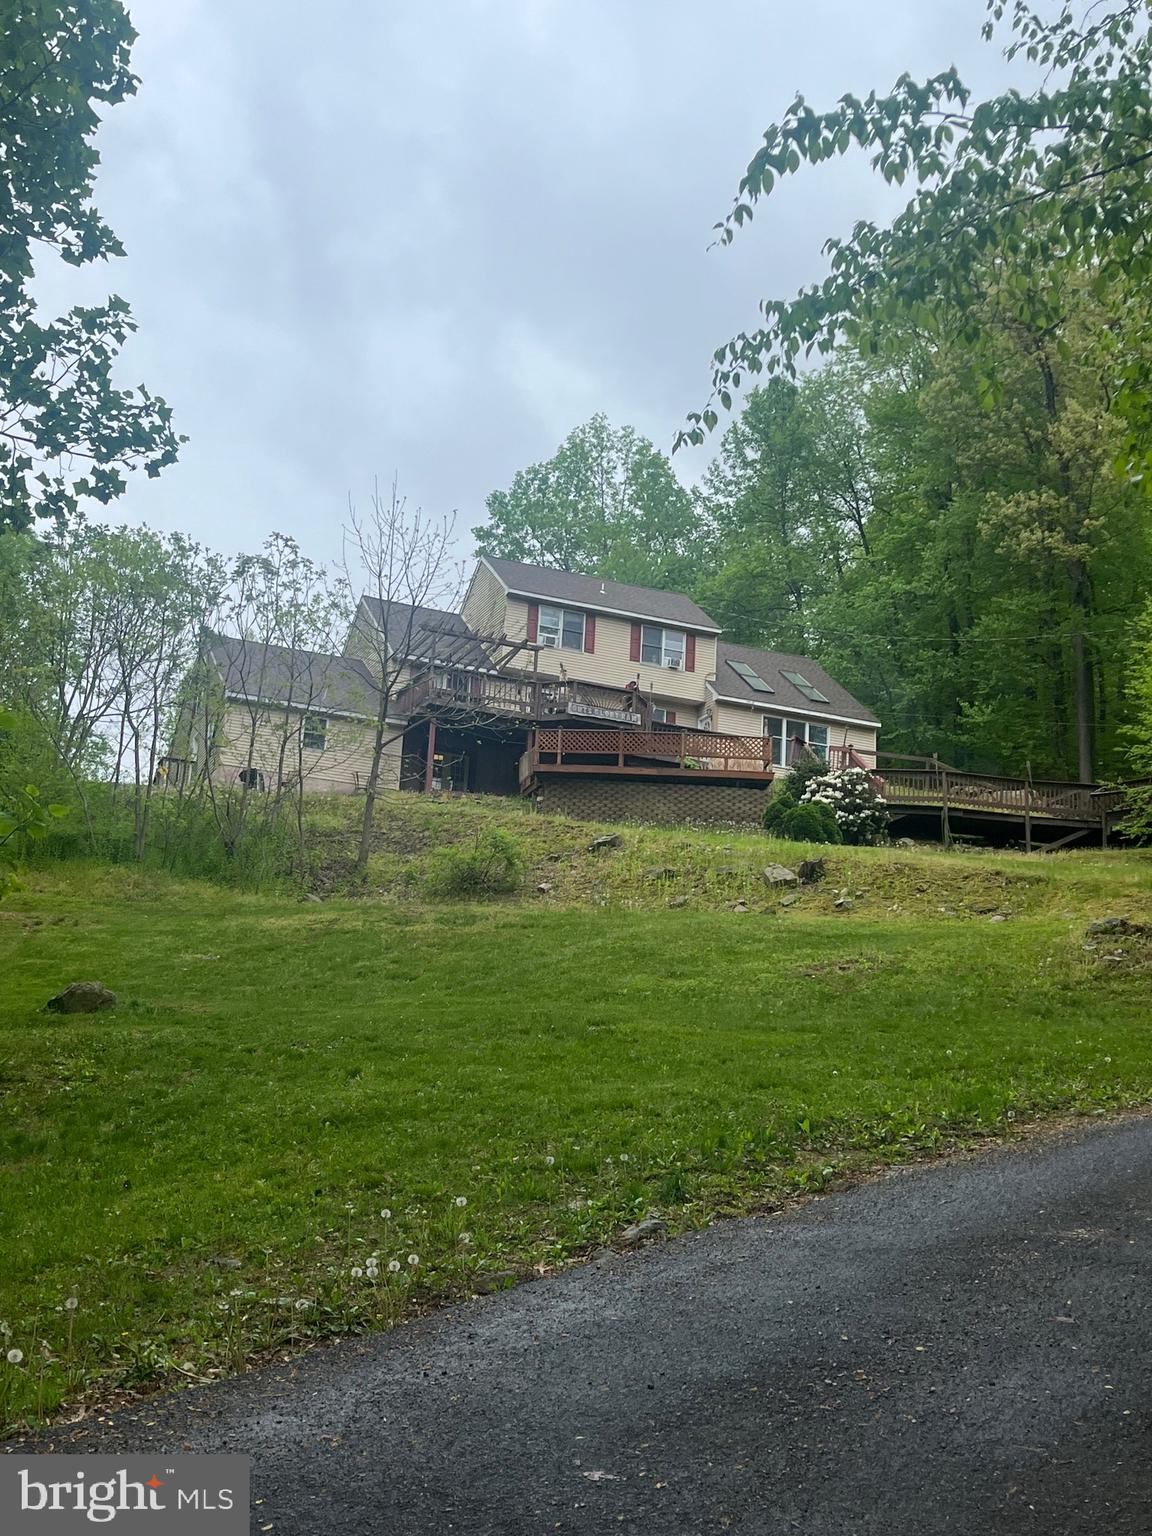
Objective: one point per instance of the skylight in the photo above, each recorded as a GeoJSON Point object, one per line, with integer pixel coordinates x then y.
{"type": "Point", "coordinates": [805, 687]}
{"type": "Point", "coordinates": [753, 679]}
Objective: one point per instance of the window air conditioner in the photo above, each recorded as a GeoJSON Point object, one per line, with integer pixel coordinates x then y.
{"type": "Point", "coordinates": [672, 663]}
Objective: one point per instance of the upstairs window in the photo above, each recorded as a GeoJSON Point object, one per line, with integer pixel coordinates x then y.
{"type": "Point", "coordinates": [662, 647]}
{"type": "Point", "coordinates": [561, 628]}
{"type": "Point", "coordinates": [662, 716]}
{"type": "Point", "coordinates": [315, 732]}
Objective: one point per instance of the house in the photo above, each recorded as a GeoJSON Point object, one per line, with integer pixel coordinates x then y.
{"type": "Point", "coordinates": [261, 716]}
{"type": "Point", "coordinates": [597, 698]}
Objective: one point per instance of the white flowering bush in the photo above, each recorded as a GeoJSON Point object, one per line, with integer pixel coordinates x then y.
{"type": "Point", "coordinates": [861, 812]}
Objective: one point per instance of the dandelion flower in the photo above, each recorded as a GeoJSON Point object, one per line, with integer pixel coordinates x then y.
{"type": "Point", "coordinates": [393, 1266]}
{"type": "Point", "coordinates": [357, 1273]}
{"type": "Point", "coordinates": [549, 1160]}
{"type": "Point", "coordinates": [461, 1201]}
{"type": "Point", "coordinates": [413, 1259]}
{"type": "Point", "coordinates": [15, 1356]}
{"type": "Point", "coordinates": [386, 1214]}
{"type": "Point", "coordinates": [5, 1330]}
{"type": "Point", "coordinates": [623, 1157]}
{"type": "Point", "coordinates": [72, 1303]}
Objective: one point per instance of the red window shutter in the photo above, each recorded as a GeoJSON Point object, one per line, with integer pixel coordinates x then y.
{"type": "Point", "coordinates": [670, 717]}
{"type": "Point", "coordinates": [590, 632]}
{"type": "Point", "coordinates": [533, 622]}
{"type": "Point", "coordinates": [689, 653]}
{"type": "Point", "coordinates": [635, 651]}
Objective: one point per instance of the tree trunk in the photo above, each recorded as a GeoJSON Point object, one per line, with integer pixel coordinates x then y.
{"type": "Point", "coordinates": [1082, 680]}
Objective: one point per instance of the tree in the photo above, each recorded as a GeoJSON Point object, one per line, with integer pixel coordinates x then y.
{"type": "Point", "coordinates": [607, 502]}
{"type": "Point", "coordinates": [1013, 194]}
{"type": "Point", "coordinates": [401, 560]}
{"type": "Point", "coordinates": [66, 432]}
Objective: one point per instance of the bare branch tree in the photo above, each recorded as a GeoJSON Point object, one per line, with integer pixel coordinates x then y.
{"type": "Point", "coordinates": [403, 560]}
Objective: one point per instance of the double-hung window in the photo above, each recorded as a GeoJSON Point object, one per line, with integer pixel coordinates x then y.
{"type": "Point", "coordinates": [561, 628]}
{"type": "Point", "coordinates": [662, 647]}
{"type": "Point", "coordinates": [785, 732]}
{"type": "Point", "coordinates": [315, 732]}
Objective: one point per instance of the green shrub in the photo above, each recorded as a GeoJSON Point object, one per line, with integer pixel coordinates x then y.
{"type": "Point", "coordinates": [491, 866]}
{"type": "Point", "coordinates": [777, 810]}
{"type": "Point", "coordinates": [811, 824]}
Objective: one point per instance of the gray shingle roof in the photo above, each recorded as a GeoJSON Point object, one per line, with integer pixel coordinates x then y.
{"type": "Point", "coordinates": [423, 633]}
{"type": "Point", "coordinates": [602, 596]}
{"type": "Point", "coordinates": [273, 674]}
{"type": "Point", "coordinates": [786, 697]}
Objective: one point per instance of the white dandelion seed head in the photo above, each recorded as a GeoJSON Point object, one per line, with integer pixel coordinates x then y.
{"type": "Point", "coordinates": [357, 1273]}
{"type": "Point", "coordinates": [72, 1303]}
{"type": "Point", "coordinates": [386, 1214]}
{"type": "Point", "coordinates": [413, 1259]}
{"type": "Point", "coordinates": [550, 1161]}
{"type": "Point", "coordinates": [393, 1266]}
{"type": "Point", "coordinates": [15, 1356]}
{"type": "Point", "coordinates": [461, 1201]}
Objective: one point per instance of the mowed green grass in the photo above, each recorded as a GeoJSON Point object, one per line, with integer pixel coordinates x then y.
{"type": "Point", "coordinates": [204, 1168]}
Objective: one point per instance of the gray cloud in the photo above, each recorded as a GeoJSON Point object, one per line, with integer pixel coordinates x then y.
{"type": "Point", "coordinates": [370, 237]}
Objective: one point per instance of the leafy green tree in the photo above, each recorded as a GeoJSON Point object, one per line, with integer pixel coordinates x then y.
{"type": "Point", "coordinates": [607, 502]}
{"type": "Point", "coordinates": [1013, 194]}
{"type": "Point", "coordinates": [66, 432]}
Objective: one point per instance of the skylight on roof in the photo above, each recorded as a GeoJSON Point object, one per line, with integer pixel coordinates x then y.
{"type": "Point", "coordinates": [753, 679]}
{"type": "Point", "coordinates": [805, 687]}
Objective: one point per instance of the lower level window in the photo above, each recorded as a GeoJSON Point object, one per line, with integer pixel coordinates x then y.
{"type": "Point", "coordinates": [790, 736]}
{"type": "Point", "coordinates": [315, 732]}
{"type": "Point", "coordinates": [251, 778]}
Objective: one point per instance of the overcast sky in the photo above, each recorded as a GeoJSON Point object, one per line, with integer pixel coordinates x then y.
{"type": "Point", "coordinates": [371, 236]}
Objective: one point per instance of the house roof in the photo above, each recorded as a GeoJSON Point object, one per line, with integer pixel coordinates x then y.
{"type": "Point", "coordinates": [312, 680]}
{"type": "Point", "coordinates": [601, 596]}
{"type": "Point", "coordinates": [785, 697]}
{"type": "Point", "coordinates": [423, 633]}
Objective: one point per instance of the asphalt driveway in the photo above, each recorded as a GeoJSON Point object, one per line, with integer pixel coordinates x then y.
{"type": "Point", "coordinates": [961, 1347]}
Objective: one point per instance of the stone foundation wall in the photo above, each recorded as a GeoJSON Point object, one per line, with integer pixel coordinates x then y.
{"type": "Point", "coordinates": [661, 804]}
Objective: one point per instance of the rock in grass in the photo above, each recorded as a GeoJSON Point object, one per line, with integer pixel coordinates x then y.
{"type": "Point", "coordinates": [498, 1280]}
{"type": "Point", "coordinates": [597, 843]}
{"type": "Point", "coordinates": [643, 1232]}
{"type": "Point", "coordinates": [678, 901]}
{"type": "Point", "coordinates": [810, 871]}
{"type": "Point", "coordinates": [664, 873]}
{"type": "Point", "coordinates": [844, 904]}
{"type": "Point", "coordinates": [789, 901]}
{"type": "Point", "coordinates": [779, 874]}
{"type": "Point", "coordinates": [82, 997]}
{"type": "Point", "coordinates": [1111, 925]}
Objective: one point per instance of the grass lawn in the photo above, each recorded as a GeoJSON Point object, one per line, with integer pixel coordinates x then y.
{"type": "Point", "coordinates": [206, 1168]}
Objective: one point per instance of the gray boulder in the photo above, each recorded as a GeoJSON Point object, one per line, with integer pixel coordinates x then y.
{"type": "Point", "coordinates": [778, 874]}
{"type": "Point", "coordinates": [643, 1232]}
{"type": "Point", "coordinates": [612, 841]}
{"type": "Point", "coordinates": [82, 997]}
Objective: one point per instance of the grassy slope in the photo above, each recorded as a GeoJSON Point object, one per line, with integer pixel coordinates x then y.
{"type": "Point", "coordinates": [203, 1168]}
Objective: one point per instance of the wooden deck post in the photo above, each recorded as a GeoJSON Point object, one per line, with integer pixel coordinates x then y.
{"type": "Point", "coordinates": [430, 757]}
{"type": "Point", "coordinates": [945, 825]}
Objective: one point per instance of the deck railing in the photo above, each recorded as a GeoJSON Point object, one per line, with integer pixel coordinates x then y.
{"type": "Point", "coordinates": [905, 780]}
{"type": "Point", "coordinates": [687, 751]}
{"type": "Point", "coordinates": [523, 696]}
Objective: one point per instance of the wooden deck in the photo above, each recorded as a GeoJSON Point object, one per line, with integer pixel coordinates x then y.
{"type": "Point", "coordinates": [656, 753]}
{"type": "Point", "coordinates": [927, 786]}
{"type": "Point", "coordinates": [518, 698]}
